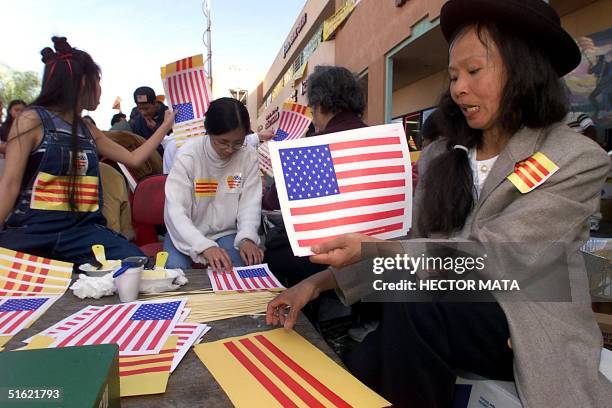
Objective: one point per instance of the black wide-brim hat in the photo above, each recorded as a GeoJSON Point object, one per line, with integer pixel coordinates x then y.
{"type": "Point", "coordinates": [533, 18]}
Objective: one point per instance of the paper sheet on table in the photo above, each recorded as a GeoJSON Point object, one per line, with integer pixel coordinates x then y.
{"type": "Point", "coordinates": [22, 274]}
{"type": "Point", "coordinates": [187, 334]}
{"type": "Point", "coordinates": [280, 367]}
{"type": "Point", "coordinates": [353, 181]}
{"type": "Point", "coordinates": [144, 375]}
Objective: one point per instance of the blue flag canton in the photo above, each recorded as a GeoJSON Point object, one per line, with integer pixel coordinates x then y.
{"type": "Point", "coordinates": [253, 273]}
{"type": "Point", "coordinates": [184, 112]}
{"type": "Point", "coordinates": [309, 172]}
{"type": "Point", "coordinates": [156, 311]}
{"type": "Point", "coordinates": [18, 305]}
{"type": "Point", "coordinates": [280, 135]}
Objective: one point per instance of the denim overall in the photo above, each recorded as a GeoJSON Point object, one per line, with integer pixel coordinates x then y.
{"type": "Point", "coordinates": [42, 222]}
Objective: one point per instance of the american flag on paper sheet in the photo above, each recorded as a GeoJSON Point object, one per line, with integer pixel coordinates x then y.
{"type": "Point", "coordinates": [188, 93]}
{"type": "Point", "coordinates": [28, 275]}
{"type": "Point", "coordinates": [16, 313]}
{"type": "Point", "coordinates": [293, 121]}
{"type": "Point", "coordinates": [71, 322]}
{"type": "Point", "coordinates": [188, 334]}
{"type": "Point", "coordinates": [244, 279]}
{"type": "Point", "coordinates": [353, 181]}
{"type": "Point", "coordinates": [138, 327]}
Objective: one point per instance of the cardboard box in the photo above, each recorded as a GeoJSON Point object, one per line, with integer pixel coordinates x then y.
{"type": "Point", "coordinates": [605, 324]}
{"type": "Point", "coordinates": [79, 377]}
{"type": "Point", "coordinates": [478, 392]}
{"type": "Point", "coordinates": [472, 391]}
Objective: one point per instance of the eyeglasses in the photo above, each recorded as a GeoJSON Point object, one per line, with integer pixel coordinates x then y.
{"type": "Point", "coordinates": [222, 144]}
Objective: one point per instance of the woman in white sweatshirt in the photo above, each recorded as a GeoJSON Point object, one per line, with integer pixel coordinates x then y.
{"type": "Point", "coordinates": [213, 195]}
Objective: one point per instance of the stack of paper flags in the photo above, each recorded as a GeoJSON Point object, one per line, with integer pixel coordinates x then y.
{"type": "Point", "coordinates": [29, 285]}
{"type": "Point", "coordinates": [186, 87]}
{"type": "Point", "coordinates": [152, 339]}
{"type": "Point", "coordinates": [244, 279]}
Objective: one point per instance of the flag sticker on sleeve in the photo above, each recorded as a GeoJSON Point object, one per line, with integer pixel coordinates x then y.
{"type": "Point", "coordinates": [532, 172]}
{"type": "Point", "coordinates": [205, 187]}
{"type": "Point", "coordinates": [52, 193]}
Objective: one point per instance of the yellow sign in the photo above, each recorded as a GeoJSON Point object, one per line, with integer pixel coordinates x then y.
{"type": "Point", "coordinates": [331, 24]}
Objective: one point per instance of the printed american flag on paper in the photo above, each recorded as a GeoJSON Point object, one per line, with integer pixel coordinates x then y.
{"type": "Point", "coordinates": [188, 93]}
{"type": "Point", "coordinates": [244, 279]}
{"type": "Point", "coordinates": [188, 334]}
{"type": "Point", "coordinates": [22, 274]}
{"type": "Point", "coordinates": [138, 328]}
{"type": "Point", "coordinates": [353, 181]}
{"type": "Point", "coordinates": [71, 322]}
{"type": "Point", "coordinates": [16, 313]}
{"type": "Point", "coordinates": [293, 121]}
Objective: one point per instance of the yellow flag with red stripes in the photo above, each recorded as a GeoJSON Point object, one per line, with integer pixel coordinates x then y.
{"type": "Point", "coordinates": [51, 193]}
{"type": "Point", "coordinates": [205, 187]}
{"type": "Point", "coordinates": [279, 368]}
{"type": "Point", "coordinates": [532, 172]}
{"type": "Point", "coordinates": [25, 275]}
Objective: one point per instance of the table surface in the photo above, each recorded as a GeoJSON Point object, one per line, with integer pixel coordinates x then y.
{"type": "Point", "coordinates": [191, 384]}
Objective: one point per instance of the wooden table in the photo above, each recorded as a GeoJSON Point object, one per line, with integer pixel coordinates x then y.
{"type": "Point", "coordinates": [191, 384]}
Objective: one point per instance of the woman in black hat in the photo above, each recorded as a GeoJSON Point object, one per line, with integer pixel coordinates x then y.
{"type": "Point", "coordinates": [506, 175]}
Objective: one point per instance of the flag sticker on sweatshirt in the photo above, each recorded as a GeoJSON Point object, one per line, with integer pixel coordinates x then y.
{"type": "Point", "coordinates": [234, 182]}
{"type": "Point", "coordinates": [532, 172]}
{"type": "Point", "coordinates": [205, 187]}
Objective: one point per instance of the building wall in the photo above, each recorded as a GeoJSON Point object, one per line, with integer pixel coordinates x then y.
{"type": "Point", "coordinates": [317, 11]}
{"type": "Point", "coordinates": [374, 29]}
{"type": "Point", "coordinates": [420, 95]}
{"type": "Point", "coordinates": [590, 19]}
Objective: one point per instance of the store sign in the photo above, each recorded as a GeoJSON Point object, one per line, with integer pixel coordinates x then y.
{"type": "Point", "coordinates": [272, 117]}
{"type": "Point", "coordinates": [294, 35]}
{"type": "Point", "coordinates": [331, 24]}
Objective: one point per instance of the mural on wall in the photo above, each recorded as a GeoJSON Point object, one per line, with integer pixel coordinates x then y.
{"type": "Point", "coordinates": [590, 84]}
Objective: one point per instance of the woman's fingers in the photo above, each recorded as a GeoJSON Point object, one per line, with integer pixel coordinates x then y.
{"type": "Point", "coordinates": [330, 245]}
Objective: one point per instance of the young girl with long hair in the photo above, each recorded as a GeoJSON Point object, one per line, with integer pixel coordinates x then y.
{"type": "Point", "coordinates": [51, 191]}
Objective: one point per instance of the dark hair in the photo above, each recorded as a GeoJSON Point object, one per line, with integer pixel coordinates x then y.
{"type": "Point", "coordinates": [226, 114]}
{"type": "Point", "coordinates": [533, 96]}
{"type": "Point", "coordinates": [335, 89]}
{"type": "Point", "coordinates": [8, 122]}
{"type": "Point", "coordinates": [117, 118]}
{"type": "Point", "coordinates": [69, 74]}
{"type": "Point", "coordinates": [432, 127]}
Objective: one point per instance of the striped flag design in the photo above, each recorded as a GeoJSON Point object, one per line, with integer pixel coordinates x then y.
{"type": "Point", "coordinates": [234, 181]}
{"type": "Point", "coordinates": [244, 279]}
{"type": "Point", "coordinates": [27, 275]}
{"type": "Point", "coordinates": [532, 172]}
{"type": "Point", "coordinates": [52, 192]}
{"type": "Point", "coordinates": [293, 121]}
{"type": "Point", "coordinates": [61, 328]}
{"type": "Point", "coordinates": [265, 163]}
{"type": "Point", "coordinates": [280, 368]}
{"type": "Point", "coordinates": [144, 375]}
{"type": "Point", "coordinates": [205, 187]}
{"type": "Point", "coordinates": [353, 181]}
{"type": "Point", "coordinates": [138, 328]}
{"type": "Point", "coordinates": [188, 94]}
{"type": "Point", "coordinates": [16, 313]}
{"type": "Point", "coordinates": [187, 334]}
